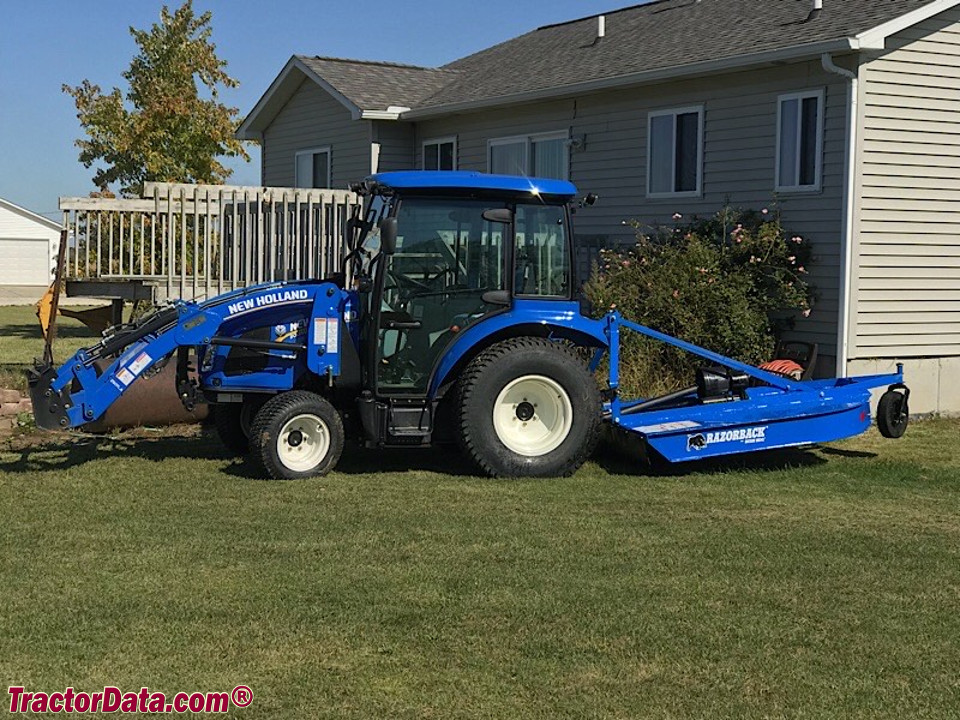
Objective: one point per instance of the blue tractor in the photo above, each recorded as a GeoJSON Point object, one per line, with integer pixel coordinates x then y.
{"type": "Point", "coordinates": [455, 318]}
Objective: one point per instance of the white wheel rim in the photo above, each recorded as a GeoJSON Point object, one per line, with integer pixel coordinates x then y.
{"type": "Point", "coordinates": [532, 415]}
{"type": "Point", "coordinates": [303, 442]}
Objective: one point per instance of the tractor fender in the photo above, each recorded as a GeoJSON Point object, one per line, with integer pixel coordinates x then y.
{"type": "Point", "coordinates": [541, 318]}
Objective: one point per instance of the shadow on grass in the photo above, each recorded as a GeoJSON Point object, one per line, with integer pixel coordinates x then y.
{"type": "Point", "coordinates": [39, 454]}
{"type": "Point", "coordinates": [45, 453]}
{"type": "Point", "coordinates": [362, 461]}
{"type": "Point", "coordinates": [31, 331]}
{"type": "Point", "coordinates": [840, 452]}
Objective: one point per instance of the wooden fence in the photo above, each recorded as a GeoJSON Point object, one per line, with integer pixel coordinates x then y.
{"type": "Point", "coordinates": [194, 241]}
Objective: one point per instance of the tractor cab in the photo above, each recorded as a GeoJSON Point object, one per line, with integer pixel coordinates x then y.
{"type": "Point", "coordinates": [434, 253]}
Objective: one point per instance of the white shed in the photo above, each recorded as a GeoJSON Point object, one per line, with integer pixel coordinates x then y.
{"type": "Point", "coordinates": [28, 247]}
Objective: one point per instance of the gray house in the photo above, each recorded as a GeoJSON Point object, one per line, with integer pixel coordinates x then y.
{"type": "Point", "coordinates": [847, 112]}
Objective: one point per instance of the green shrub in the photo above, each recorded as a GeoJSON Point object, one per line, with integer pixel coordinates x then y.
{"type": "Point", "coordinates": [730, 283]}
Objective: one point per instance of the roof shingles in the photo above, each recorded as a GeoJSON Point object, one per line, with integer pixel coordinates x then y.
{"type": "Point", "coordinates": [379, 85]}
{"type": "Point", "coordinates": [649, 37]}
{"type": "Point", "coordinates": [657, 35]}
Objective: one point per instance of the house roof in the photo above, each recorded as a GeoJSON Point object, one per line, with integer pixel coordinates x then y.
{"type": "Point", "coordinates": [373, 86]}
{"type": "Point", "coordinates": [30, 215]}
{"type": "Point", "coordinates": [369, 90]}
{"type": "Point", "coordinates": [662, 35]}
{"type": "Point", "coordinates": [642, 43]}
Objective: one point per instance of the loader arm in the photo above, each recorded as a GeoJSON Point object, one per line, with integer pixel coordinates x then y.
{"type": "Point", "coordinates": [78, 393]}
{"type": "Point", "coordinates": [84, 387]}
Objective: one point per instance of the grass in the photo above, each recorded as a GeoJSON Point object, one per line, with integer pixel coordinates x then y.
{"type": "Point", "coordinates": [816, 584]}
{"type": "Point", "coordinates": [21, 341]}
{"type": "Point", "coordinates": [798, 584]}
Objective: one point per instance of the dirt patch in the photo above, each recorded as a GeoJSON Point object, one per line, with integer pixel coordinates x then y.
{"type": "Point", "coordinates": [18, 438]}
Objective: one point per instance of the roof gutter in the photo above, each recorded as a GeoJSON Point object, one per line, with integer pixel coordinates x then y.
{"type": "Point", "coordinates": [849, 206]}
{"type": "Point", "coordinates": [707, 67]}
{"type": "Point", "coordinates": [391, 113]}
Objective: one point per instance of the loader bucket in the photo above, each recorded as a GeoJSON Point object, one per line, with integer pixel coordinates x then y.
{"type": "Point", "coordinates": [150, 400]}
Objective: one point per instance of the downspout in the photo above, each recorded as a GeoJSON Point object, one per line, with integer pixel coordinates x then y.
{"type": "Point", "coordinates": [849, 206]}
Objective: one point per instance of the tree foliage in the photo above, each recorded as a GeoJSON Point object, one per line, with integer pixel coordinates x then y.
{"type": "Point", "coordinates": [170, 126]}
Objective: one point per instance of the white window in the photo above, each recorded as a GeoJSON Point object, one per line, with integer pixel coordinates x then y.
{"type": "Point", "coordinates": [800, 141]}
{"type": "Point", "coordinates": [544, 155]}
{"type": "Point", "coordinates": [313, 168]}
{"type": "Point", "coordinates": [440, 154]}
{"type": "Point", "coordinates": [675, 152]}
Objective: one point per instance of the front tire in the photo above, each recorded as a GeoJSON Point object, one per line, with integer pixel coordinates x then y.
{"type": "Point", "coordinates": [296, 434]}
{"type": "Point", "coordinates": [528, 407]}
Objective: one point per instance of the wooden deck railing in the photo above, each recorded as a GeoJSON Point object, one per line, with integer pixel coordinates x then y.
{"type": "Point", "coordinates": [194, 241]}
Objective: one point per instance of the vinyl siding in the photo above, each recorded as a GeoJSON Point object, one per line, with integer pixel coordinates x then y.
{"type": "Point", "coordinates": [907, 283]}
{"type": "Point", "coordinates": [740, 111]}
{"type": "Point", "coordinates": [396, 141]}
{"type": "Point", "coordinates": [313, 118]}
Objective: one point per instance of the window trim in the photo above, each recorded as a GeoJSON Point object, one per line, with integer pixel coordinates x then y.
{"type": "Point", "coordinates": [438, 141]}
{"type": "Point", "coordinates": [821, 116]}
{"type": "Point", "coordinates": [674, 112]}
{"type": "Point", "coordinates": [528, 140]}
{"type": "Point", "coordinates": [328, 149]}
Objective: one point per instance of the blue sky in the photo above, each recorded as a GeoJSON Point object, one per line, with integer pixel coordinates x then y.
{"type": "Point", "coordinates": [46, 43]}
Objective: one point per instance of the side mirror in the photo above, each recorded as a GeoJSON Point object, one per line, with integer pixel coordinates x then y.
{"type": "Point", "coordinates": [388, 235]}
{"type": "Point", "coordinates": [504, 216]}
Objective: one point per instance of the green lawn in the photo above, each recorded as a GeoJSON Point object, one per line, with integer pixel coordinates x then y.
{"type": "Point", "coordinates": [801, 584]}
{"type": "Point", "coordinates": [21, 341]}
{"type": "Point", "coordinates": [817, 584]}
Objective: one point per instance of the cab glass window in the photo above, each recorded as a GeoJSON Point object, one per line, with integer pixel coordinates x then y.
{"type": "Point", "coordinates": [542, 260]}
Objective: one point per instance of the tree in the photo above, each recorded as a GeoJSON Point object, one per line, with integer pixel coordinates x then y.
{"type": "Point", "coordinates": [171, 125]}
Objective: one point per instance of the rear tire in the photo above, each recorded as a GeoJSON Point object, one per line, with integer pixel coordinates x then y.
{"type": "Point", "coordinates": [296, 434]}
{"type": "Point", "coordinates": [528, 407]}
{"type": "Point", "coordinates": [233, 422]}
{"type": "Point", "coordinates": [893, 414]}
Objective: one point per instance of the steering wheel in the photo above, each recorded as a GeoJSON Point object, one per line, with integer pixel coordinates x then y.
{"type": "Point", "coordinates": [406, 287]}
{"type": "Point", "coordinates": [432, 280]}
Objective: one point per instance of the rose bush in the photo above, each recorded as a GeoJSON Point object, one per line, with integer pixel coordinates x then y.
{"type": "Point", "coordinates": [731, 283]}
